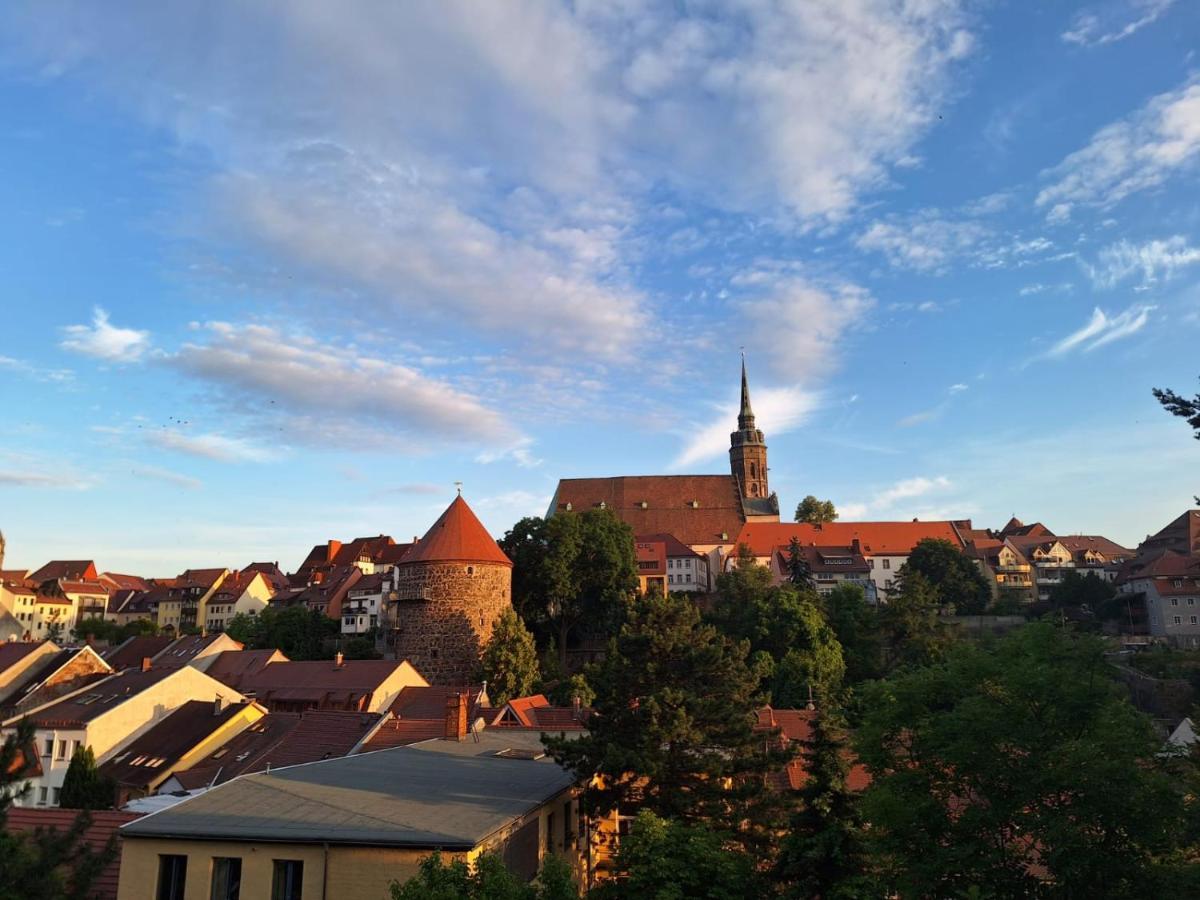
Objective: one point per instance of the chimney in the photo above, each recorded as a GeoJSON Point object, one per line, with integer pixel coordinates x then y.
{"type": "Point", "coordinates": [218, 705]}
{"type": "Point", "coordinates": [145, 664]}
{"type": "Point", "coordinates": [338, 660]}
{"type": "Point", "coordinates": [456, 717]}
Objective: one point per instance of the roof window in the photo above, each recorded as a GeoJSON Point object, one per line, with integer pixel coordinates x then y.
{"type": "Point", "coordinates": [520, 753]}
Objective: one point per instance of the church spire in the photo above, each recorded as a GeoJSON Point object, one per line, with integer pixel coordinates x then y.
{"type": "Point", "coordinates": [746, 416]}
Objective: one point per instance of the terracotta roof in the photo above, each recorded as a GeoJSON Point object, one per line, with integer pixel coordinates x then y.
{"type": "Point", "coordinates": [204, 578]}
{"type": "Point", "coordinates": [270, 571]}
{"type": "Point", "coordinates": [675, 547]}
{"type": "Point", "coordinates": [130, 652]}
{"type": "Point", "coordinates": [389, 556]}
{"type": "Point", "coordinates": [104, 695]}
{"type": "Point", "coordinates": [402, 732]}
{"type": "Point", "coordinates": [282, 739]}
{"type": "Point", "coordinates": [23, 590]}
{"type": "Point", "coordinates": [795, 726]}
{"type": "Point", "coordinates": [421, 702]}
{"type": "Point", "coordinates": [661, 504]}
{"type": "Point", "coordinates": [157, 751]}
{"type": "Point", "coordinates": [104, 823]}
{"type": "Point", "coordinates": [64, 568]}
{"type": "Point", "coordinates": [83, 587]}
{"type": "Point", "coordinates": [336, 553]}
{"type": "Point", "coordinates": [418, 714]}
{"type": "Point", "coordinates": [125, 582]}
{"type": "Point", "coordinates": [1182, 534]}
{"type": "Point", "coordinates": [233, 667]}
{"type": "Point", "coordinates": [457, 536]}
{"type": "Point", "coordinates": [1079, 544]}
{"type": "Point", "coordinates": [825, 560]}
{"type": "Point", "coordinates": [320, 681]}
{"type": "Point", "coordinates": [535, 713]}
{"type": "Point", "coordinates": [15, 576]}
{"type": "Point", "coordinates": [875, 538]}
{"type": "Point", "coordinates": [1016, 528]}
{"type": "Point", "coordinates": [369, 584]}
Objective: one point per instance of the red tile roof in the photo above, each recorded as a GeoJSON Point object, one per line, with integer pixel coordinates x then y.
{"type": "Point", "coordinates": [875, 538]}
{"type": "Point", "coordinates": [335, 553]}
{"type": "Point", "coordinates": [130, 653]}
{"type": "Point", "coordinates": [420, 702]}
{"type": "Point", "coordinates": [795, 726]}
{"type": "Point", "coordinates": [675, 547]}
{"type": "Point", "coordinates": [534, 713]}
{"type": "Point", "coordinates": [319, 682]}
{"type": "Point", "coordinates": [402, 732]}
{"type": "Point", "coordinates": [662, 504]}
{"type": "Point", "coordinates": [1079, 544]}
{"type": "Point", "coordinates": [125, 582]}
{"type": "Point", "coordinates": [270, 571]}
{"type": "Point", "coordinates": [65, 568]}
{"type": "Point", "coordinates": [1182, 534]}
{"type": "Point", "coordinates": [233, 667]}
{"type": "Point", "coordinates": [104, 823]}
{"type": "Point", "coordinates": [83, 587]}
{"type": "Point", "coordinates": [457, 536]}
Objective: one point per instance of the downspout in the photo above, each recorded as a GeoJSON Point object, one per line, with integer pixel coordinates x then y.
{"type": "Point", "coordinates": [325, 871]}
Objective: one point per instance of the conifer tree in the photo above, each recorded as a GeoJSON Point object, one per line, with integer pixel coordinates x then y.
{"type": "Point", "coordinates": [799, 571]}
{"type": "Point", "coordinates": [674, 726]}
{"type": "Point", "coordinates": [510, 662]}
{"type": "Point", "coordinates": [83, 786]}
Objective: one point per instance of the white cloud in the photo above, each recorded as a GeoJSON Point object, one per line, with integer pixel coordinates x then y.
{"type": "Point", "coordinates": [39, 479]}
{"type": "Point", "coordinates": [1112, 21]}
{"type": "Point", "coordinates": [104, 340]}
{"type": "Point", "coordinates": [21, 367]}
{"type": "Point", "coordinates": [217, 447]}
{"type": "Point", "coordinates": [958, 388]}
{"type": "Point", "coordinates": [334, 394]}
{"type": "Point", "coordinates": [1138, 152]}
{"type": "Point", "coordinates": [1151, 260]}
{"type": "Point", "coordinates": [1102, 329]}
{"type": "Point", "coordinates": [887, 499]}
{"type": "Point", "coordinates": [777, 410]}
{"type": "Point", "coordinates": [926, 241]}
{"type": "Point", "coordinates": [167, 476]}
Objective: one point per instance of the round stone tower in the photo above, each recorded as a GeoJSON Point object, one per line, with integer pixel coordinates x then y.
{"type": "Point", "coordinates": [451, 587]}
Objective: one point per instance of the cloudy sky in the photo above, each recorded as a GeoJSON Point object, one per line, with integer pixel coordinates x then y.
{"type": "Point", "coordinates": [278, 272]}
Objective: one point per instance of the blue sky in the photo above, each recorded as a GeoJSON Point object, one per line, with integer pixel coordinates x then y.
{"type": "Point", "coordinates": [279, 272]}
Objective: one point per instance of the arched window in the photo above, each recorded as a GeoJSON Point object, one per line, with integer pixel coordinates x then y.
{"type": "Point", "coordinates": [753, 470]}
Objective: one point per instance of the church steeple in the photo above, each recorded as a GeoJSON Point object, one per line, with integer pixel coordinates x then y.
{"type": "Point", "coordinates": [748, 450]}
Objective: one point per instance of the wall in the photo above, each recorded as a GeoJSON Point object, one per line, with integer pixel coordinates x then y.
{"type": "Point", "coordinates": [443, 633]}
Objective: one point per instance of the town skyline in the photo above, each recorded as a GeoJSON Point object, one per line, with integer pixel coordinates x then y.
{"type": "Point", "coordinates": [248, 314]}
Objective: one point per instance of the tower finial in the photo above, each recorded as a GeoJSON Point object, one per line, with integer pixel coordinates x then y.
{"type": "Point", "coordinates": [458, 485]}
{"type": "Point", "coordinates": [746, 414]}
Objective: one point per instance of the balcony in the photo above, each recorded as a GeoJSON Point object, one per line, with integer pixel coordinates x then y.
{"type": "Point", "coordinates": [1014, 568]}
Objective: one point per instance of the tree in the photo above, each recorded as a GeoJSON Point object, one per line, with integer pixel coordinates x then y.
{"type": "Point", "coordinates": [54, 631]}
{"type": "Point", "coordinates": [912, 631]}
{"type": "Point", "coordinates": [674, 725]}
{"type": "Point", "coordinates": [1088, 591]}
{"type": "Point", "coordinates": [855, 623]}
{"type": "Point", "coordinates": [83, 786]}
{"type": "Point", "coordinates": [787, 625]}
{"type": "Point", "coordinates": [46, 864]}
{"type": "Point", "coordinates": [1015, 770]}
{"type": "Point", "coordinates": [488, 880]}
{"type": "Point", "coordinates": [1176, 405]}
{"type": "Point", "coordinates": [824, 853]}
{"type": "Point", "coordinates": [299, 632]}
{"type": "Point", "coordinates": [510, 663]}
{"type": "Point", "coordinates": [815, 512]}
{"type": "Point", "coordinates": [572, 573]}
{"type": "Point", "coordinates": [670, 860]}
{"type": "Point", "coordinates": [799, 571]}
{"type": "Point", "coordinates": [955, 576]}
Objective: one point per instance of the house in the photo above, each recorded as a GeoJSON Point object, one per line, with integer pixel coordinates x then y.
{"type": "Point", "coordinates": [53, 614]}
{"type": "Point", "coordinates": [71, 569]}
{"type": "Point", "coordinates": [105, 823]}
{"type": "Point", "coordinates": [1181, 535]}
{"type": "Point", "coordinates": [242, 593]}
{"type": "Point", "coordinates": [364, 600]}
{"type": "Point", "coordinates": [115, 581]}
{"type": "Point", "coordinates": [360, 685]}
{"type": "Point", "coordinates": [1007, 568]}
{"type": "Point", "coordinates": [1168, 585]}
{"type": "Point", "coordinates": [185, 737]}
{"type": "Point", "coordinates": [884, 545]}
{"type": "Point", "coordinates": [277, 740]}
{"type": "Point", "coordinates": [667, 564]}
{"type": "Point", "coordinates": [18, 599]}
{"type": "Point", "coordinates": [90, 598]}
{"type": "Point", "coordinates": [274, 575]}
{"type": "Point", "coordinates": [324, 591]}
{"type": "Point", "coordinates": [142, 604]}
{"type": "Point", "coordinates": [828, 567]}
{"type": "Point", "coordinates": [419, 714]}
{"type": "Point", "coordinates": [793, 727]}
{"type": "Point", "coordinates": [50, 677]}
{"type": "Point", "coordinates": [348, 827]}
{"type": "Point", "coordinates": [536, 713]}
{"type": "Point", "coordinates": [105, 715]}
{"type": "Point", "coordinates": [185, 605]}
{"type": "Point", "coordinates": [366, 553]}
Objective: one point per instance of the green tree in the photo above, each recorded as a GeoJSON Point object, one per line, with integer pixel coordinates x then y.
{"type": "Point", "coordinates": [361, 647]}
{"type": "Point", "coordinates": [1176, 405]}
{"type": "Point", "coordinates": [662, 859]}
{"type": "Point", "coordinates": [855, 623]}
{"type": "Point", "coordinates": [1076, 591]}
{"type": "Point", "coordinates": [674, 725]}
{"type": "Point", "coordinates": [1007, 761]}
{"type": "Point", "coordinates": [572, 573]}
{"type": "Point", "coordinates": [815, 512]}
{"type": "Point", "coordinates": [567, 690]}
{"type": "Point", "coordinates": [955, 576]}
{"type": "Point", "coordinates": [299, 632]}
{"type": "Point", "coordinates": [799, 571]}
{"type": "Point", "coordinates": [510, 662]}
{"type": "Point", "coordinates": [83, 785]}
{"type": "Point", "coordinates": [487, 880]}
{"type": "Point", "coordinates": [824, 853]}
{"type": "Point", "coordinates": [912, 632]}
{"type": "Point", "coordinates": [46, 864]}
{"type": "Point", "coordinates": [54, 632]}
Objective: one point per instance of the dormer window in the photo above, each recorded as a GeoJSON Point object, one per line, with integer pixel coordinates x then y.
{"type": "Point", "coordinates": [695, 504]}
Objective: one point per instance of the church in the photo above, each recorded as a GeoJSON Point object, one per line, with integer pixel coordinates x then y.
{"type": "Point", "coordinates": [706, 512]}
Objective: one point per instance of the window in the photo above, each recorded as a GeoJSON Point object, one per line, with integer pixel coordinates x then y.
{"type": "Point", "coordinates": [1178, 620]}
{"type": "Point", "coordinates": [62, 750]}
{"type": "Point", "coordinates": [42, 793]}
{"type": "Point", "coordinates": [288, 880]}
{"type": "Point", "coordinates": [1174, 601]}
{"type": "Point", "coordinates": [871, 563]}
{"type": "Point", "coordinates": [226, 878]}
{"type": "Point", "coordinates": [172, 877]}
{"type": "Point", "coordinates": [49, 750]}
{"type": "Point", "coordinates": [1191, 601]}
{"type": "Point", "coordinates": [887, 563]}
{"type": "Point", "coordinates": [1193, 620]}
{"type": "Point", "coordinates": [57, 794]}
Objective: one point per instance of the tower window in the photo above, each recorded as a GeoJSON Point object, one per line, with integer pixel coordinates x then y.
{"type": "Point", "coordinates": [470, 570]}
{"type": "Point", "coordinates": [753, 470]}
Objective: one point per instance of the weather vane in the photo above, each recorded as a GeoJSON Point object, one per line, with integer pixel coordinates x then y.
{"type": "Point", "coordinates": [458, 484]}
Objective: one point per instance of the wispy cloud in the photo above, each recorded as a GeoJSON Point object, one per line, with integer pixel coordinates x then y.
{"type": "Point", "coordinates": [36, 479]}
{"type": "Point", "coordinates": [1139, 152]}
{"type": "Point", "coordinates": [217, 447]}
{"type": "Point", "coordinates": [777, 411]}
{"type": "Point", "coordinates": [1102, 329]}
{"type": "Point", "coordinates": [37, 373]}
{"type": "Point", "coordinates": [104, 340]}
{"type": "Point", "coordinates": [167, 476]}
{"type": "Point", "coordinates": [1114, 21]}
{"type": "Point", "coordinates": [886, 500]}
{"type": "Point", "coordinates": [1152, 260]}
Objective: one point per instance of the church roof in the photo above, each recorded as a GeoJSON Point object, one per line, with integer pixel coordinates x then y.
{"type": "Point", "coordinates": [697, 509]}
{"type": "Point", "coordinates": [457, 536]}
{"type": "Point", "coordinates": [875, 538]}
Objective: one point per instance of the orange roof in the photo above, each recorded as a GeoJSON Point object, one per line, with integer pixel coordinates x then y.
{"type": "Point", "coordinates": [458, 536]}
{"type": "Point", "coordinates": [876, 538]}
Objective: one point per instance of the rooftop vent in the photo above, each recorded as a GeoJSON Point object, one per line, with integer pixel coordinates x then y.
{"type": "Point", "coordinates": [695, 504]}
{"type": "Point", "coordinates": [644, 505]}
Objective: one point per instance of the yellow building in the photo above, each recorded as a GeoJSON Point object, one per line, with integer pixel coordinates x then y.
{"type": "Point", "coordinates": [344, 829]}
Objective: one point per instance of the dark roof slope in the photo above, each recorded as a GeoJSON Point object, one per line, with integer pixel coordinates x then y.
{"type": "Point", "coordinates": [233, 667]}
{"type": "Point", "coordinates": [12, 652]}
{"type": "Point", "coordinates": [99, 698]}
{"type": "Point", "coordinates": [130, 652]}
{"type": "Point", "coordinates": [452, 796]}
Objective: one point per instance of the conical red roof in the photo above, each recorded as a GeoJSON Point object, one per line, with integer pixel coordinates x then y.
{"type": "Point", "coordinates": [458, 536]}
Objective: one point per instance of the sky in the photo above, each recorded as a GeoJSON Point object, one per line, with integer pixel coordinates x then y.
{"type": "Point", "coordinates": [273, 273]}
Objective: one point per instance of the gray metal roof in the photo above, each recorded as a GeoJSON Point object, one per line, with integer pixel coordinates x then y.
{"type": "Point", "coordinates": [436, 794]}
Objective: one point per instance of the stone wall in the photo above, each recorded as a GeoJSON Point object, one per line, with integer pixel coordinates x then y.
{"type": "Point", "coordinates": [445, 614]}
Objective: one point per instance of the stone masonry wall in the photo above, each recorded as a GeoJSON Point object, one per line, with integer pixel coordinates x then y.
{"type": "Point", "coordinates": [445, 615]}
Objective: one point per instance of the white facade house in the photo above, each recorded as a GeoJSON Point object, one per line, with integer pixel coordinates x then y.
{"type": "Point", "coordinates": [1169, 585]}
{"type": "Point", "coordinates": [364, 600]}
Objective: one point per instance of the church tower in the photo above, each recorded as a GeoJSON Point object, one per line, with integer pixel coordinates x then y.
{"type": "Point", "coordinates": [747, 450]}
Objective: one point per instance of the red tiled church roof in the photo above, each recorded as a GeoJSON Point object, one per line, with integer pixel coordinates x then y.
{"type": "Point", "coordinates": [457, 536]}
{"type": "Point", "coordinates": [875, 538]}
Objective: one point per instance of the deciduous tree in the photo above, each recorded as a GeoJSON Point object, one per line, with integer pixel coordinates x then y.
{"type": "Point", "coordinates": [955, 576]}
{"type": "Point", "coordinates": [815, 512]}
{"type": "Point", "coordinates": [855, 623]}
{"type": "Point", "coordinates": [510, 663]}
{"type": "Point", "coordinates": [488, 879]}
